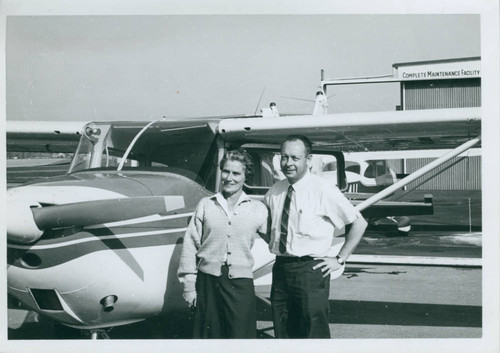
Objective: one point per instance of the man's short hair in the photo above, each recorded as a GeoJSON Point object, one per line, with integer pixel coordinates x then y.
{"type": "Point", "coordinates": [307, 143]}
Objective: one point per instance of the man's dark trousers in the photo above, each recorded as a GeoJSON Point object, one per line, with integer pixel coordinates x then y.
{"type": "Point", "coordinates": [299, 299]}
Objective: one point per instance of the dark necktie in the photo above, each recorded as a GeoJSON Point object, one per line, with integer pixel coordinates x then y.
{"type": "Point", "coordinates": [284, 220]}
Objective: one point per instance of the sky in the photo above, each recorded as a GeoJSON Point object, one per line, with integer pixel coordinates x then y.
{"type": "Point", "coordinates": [145, 67]}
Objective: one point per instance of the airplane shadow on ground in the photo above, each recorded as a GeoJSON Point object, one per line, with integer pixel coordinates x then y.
{"type": "Point", "coordinates": [177, 325]}
{"type": "Point", "coordinates": [407, 314]}
{"type": "Point", "coordinates": [354, 312]}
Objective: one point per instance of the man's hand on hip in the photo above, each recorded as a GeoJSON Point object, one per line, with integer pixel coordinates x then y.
{"type": "Point", "coordinates": [327, 265]}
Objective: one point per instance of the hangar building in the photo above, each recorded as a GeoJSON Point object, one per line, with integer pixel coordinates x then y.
{"type": "Point", "coordinates": [435, 84]}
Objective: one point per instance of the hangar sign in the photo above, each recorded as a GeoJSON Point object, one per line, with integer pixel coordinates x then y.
{"type": "Point", "coordinates": [470, 69]}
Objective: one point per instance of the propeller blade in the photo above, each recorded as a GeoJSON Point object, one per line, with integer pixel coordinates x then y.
{"type": "Point", "coordinates": [86, 213]}
{"type": "Point", "coordinates": [104, 211]}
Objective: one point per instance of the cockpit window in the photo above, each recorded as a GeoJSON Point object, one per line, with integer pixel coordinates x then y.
{"type": "Point", "coordinates": [166, 146]}
{"type": "Point", "coordinates": [268, 170]}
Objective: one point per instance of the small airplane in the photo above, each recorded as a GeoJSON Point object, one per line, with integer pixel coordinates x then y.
{"type": "Point", "coordinates": [99, 246]}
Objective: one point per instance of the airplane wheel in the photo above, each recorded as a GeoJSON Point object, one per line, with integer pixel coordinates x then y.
{"type": "Point", "coordinates": [404, 225]}
{"type": "Point", "coordinates": [404, 230]}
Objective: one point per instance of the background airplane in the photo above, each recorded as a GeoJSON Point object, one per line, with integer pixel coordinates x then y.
{"type": "Point", "coordinates": [99, 247]}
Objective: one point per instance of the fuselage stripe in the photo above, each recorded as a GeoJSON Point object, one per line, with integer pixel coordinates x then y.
{"type": "Point", "coordinates": [135, 221]}
{"type": "Point", "coordinates": [100, 238]}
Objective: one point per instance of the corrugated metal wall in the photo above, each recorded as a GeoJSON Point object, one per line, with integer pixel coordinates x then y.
{"type": "Point", "coordinates": [464, 175]}
{"type": "Point", "coordinates": [442, 94]}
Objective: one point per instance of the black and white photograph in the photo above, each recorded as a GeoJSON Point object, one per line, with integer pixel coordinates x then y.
{"type": "Point", "coordinates": [238, 176]}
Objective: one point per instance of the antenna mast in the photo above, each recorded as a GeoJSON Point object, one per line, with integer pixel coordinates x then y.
{"type": "Point", "coordinates": [258, 103]}
{"type": "Point", "coordinates": [323, 88]}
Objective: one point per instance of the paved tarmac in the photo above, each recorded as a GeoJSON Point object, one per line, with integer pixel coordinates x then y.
{"type": "Point", "coordinates": [396, 301]}
{"type": "Point", "coordinates": [368, 301]}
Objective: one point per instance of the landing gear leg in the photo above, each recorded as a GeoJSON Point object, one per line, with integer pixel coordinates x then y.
{"type": "Point", "coordinates": [99, 334]}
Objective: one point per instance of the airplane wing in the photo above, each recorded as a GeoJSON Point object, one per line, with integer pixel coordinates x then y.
{"type": "Point", "coordinates": [43, 136]}
{"type": "Point", "coordinates": [358, 132]}
{"type": "Point", "coordinates": [20, 171]}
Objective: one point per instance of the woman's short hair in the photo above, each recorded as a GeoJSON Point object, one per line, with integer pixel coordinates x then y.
{"type": "Point", "coordinates": [241, 156]}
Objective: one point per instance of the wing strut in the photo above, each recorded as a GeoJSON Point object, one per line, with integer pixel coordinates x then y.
{"type": "Point", "coordinates": [429, 167]}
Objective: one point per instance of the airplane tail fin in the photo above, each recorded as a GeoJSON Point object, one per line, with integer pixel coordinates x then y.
{"type": "Point", "coordinates": [271, 112]}
{"type": "Point", "coordinates": [321, 104]}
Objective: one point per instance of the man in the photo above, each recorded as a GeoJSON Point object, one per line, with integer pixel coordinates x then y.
{"type": "Point", "coordinates": [305, 213]}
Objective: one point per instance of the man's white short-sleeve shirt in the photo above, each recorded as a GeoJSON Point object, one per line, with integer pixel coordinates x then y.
{"type": "Point", "coordinates": [318, 211]}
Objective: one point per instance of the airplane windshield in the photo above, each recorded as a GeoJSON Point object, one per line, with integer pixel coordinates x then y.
{"type": "Point", "coordinates": [180, 147]}
{"type": "Point", "coordinates": [83, 155]}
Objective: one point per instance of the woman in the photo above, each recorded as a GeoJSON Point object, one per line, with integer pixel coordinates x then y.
{"type": "Point", "coordinates": [216, 260]}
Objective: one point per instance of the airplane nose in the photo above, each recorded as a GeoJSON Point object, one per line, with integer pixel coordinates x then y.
{"type": "Point", "coordinates": [21, 226]}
